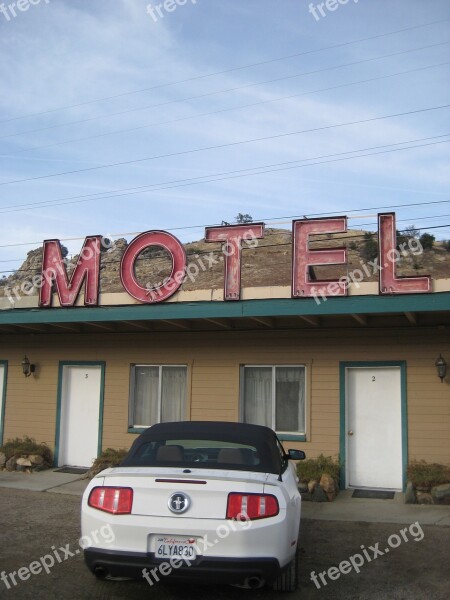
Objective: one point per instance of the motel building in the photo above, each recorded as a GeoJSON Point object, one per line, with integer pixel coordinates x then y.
{"type": "Point", "coordinates": [338, 361]}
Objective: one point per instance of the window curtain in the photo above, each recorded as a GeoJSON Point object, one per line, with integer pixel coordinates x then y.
{"type": "Point", "coordinates": [258, 395]}
{"type": "Point", "coordinates": [173, 393]}
{"type": "Point", "coordinates": [290, 399]}
{"type": "Point", "coordinates": [146, 380]}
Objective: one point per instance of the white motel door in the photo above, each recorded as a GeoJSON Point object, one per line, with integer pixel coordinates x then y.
{"type": "Point", "coordinates": [80, 415]}
{"type": "Point", "coordinates": [374, 427]}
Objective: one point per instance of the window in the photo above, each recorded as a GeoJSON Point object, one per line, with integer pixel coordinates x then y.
{"type": "Point", "coordinates": [158, 394]}
{"type": "Point", "coordinates": [274, 396]}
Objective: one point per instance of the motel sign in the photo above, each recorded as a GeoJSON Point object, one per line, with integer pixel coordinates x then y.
{"type": "Point", "coordinates": [87, 269]}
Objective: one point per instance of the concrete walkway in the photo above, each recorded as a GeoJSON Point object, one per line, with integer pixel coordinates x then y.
{"type": "Point", "coordinates": [44, 481]}
{"type": "Point", "coordinates": [344, 508]}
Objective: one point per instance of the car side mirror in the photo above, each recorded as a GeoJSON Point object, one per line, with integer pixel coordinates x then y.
{"type": "Point", "coordinates": [296, 455]}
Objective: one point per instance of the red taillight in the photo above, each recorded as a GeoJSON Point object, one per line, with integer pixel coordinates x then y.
{"type": "Point", "coordinates": [115, 500]}
{"type": "Point", "coordinates": [242, 507]}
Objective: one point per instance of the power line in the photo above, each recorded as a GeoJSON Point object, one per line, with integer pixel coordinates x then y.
{"type": "Point", "coordinates": [209, 252]}
{"type": "Point", "coordinates": [230, 70]}
{"type": "Point", "coordinates": [209, 94]}
{"type": "Point", "coordinates": [139, 189]}
{"type": "Point", "coordinates": [278, 218]}
{"type": "Point", "coordinates": [244, 172]}
{"type": "Point", "coordinates": [220, 111]}
{"type": "Point", "coordinates": [266, 220]}
{"type": "Point", "coordinates": [220, 146]}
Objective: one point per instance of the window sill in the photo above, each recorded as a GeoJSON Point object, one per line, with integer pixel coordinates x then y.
{"type": "Point", "coordinates": [136, 429]}
{"type": "Point", "coordinates": [291, 437]}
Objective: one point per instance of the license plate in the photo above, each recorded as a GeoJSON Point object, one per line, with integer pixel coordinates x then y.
{"type": "Point", "coordinates": [176, 547]}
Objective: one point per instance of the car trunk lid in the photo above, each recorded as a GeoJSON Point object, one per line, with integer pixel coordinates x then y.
{"type": "Point", "coordinates": [206, 489]}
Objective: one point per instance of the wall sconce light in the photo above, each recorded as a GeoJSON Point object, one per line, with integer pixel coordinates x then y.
{"type": "Point", "coordinates": [27, 367]}
{"type": "Point", "coordinates": [441, 367]}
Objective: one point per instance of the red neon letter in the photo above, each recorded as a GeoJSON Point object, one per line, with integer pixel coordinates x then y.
{"type": "Point", "coordinates": [54, 270]}
{"type": "Point", "coordinates": [303, 258]}
{"type": "Point", "coordinates": [389, 282]}
{"type": "Point", "coordinates": [233, 235]}
{"type": "Point", "coordinates": [149, 294]}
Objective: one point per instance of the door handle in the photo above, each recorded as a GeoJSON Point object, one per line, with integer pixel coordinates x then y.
{"type": "Point", "coordinates": [349, 432]}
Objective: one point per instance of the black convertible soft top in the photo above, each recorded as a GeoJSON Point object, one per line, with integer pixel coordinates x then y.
{"type": "Point", "coordinates": [263, 439]}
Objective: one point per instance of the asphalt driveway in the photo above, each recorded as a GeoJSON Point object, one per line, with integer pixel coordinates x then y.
{"type": "Point", "coordinates": [36, 524]}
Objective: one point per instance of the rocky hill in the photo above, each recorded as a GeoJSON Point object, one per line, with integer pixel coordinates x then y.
{"type": "Point", "coordinates": [267, 264]}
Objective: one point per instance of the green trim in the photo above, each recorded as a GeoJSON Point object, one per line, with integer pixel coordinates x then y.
{"type": "Point", "coordinates": [434, 302]}
{"type": "Point", "coordinates": [343, 366]}
{"type": "Point", "coordinates": [291, 437]}
{"type": "Point", "coordinates": [404, 409]}
{"type": "Point", "coordinates": [3, 363]}
{"type": "Point", "coordinates": [81, 363]}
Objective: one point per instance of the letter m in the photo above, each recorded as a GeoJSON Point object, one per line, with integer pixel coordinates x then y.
{"type": "Point", "coordinates": [54, 273]}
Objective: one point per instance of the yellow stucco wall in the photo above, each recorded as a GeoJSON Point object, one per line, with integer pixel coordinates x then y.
{"type": "Point", "coordinates": [214, 360]}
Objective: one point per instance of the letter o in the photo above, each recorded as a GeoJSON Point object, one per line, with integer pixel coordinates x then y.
{"type": "Point", "coordinates": [225, 531]}
{"type": "Point", "coordinates": [393, 255]}
{"type": "Point", "coordinates": [397, 539]}
{"type": "Point", "coordinates": [128, 278]}
{"type": "Point", "coordinates": [85, 542]}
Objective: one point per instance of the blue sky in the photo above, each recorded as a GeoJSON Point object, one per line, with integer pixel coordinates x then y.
{"type": "Point", "coordinates": [61, 53]}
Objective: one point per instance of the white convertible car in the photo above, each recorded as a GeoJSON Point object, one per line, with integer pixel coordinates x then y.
{"type": "Point", "coordinates": [198, 501]}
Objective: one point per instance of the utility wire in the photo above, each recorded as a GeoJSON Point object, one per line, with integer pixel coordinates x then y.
{"type": "Point", "coordinates": [233, 89]}
{"type": "Point", "coordinates": [220, 176]}
{"type": "Point", "coordinates": [219, 251]}
{"type": "Point", "coordinates": [227, 145]}
{"type": "Point", "coordinates": [230, 70]}
{"type": "Point", "coordinates": [311, 215]}
{"type": "Point", "coordinates": [244, 172]}
{"type": "Point", "coordinates": [220, 111]}
{"type": "Point", "coordinates": [138, 189]}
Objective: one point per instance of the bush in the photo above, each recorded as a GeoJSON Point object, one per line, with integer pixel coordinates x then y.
{"type": "Point", "coordinates": [369, 249]}
{"type": "Point", "coordinates": [447, 245]}
{"type": "Point", "coordinates": [243, 219]}
{"type": "Point", "coordinates": [314, 468]}
{"type": "Point", "coordinates": [405, 235]}
{"type": "Point", "coordinates": [109, 458]}
{"type": "Point", "coordinates": [427, 475]}
{"type": "Point", "coordinates": [24, 446]}
{"type": "Point", "coordinates": [411, 232]}
{"type": "Point", "coordinates": [353, 246]}
{"type": "Point", "coordinates": [427, 240]}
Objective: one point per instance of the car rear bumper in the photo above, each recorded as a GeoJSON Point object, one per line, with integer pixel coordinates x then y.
{"type": "Point", "coordinates": [219, 570]}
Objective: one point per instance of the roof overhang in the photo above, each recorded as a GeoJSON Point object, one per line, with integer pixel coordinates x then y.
{"type": "Point", "coordinates": [356, 311]}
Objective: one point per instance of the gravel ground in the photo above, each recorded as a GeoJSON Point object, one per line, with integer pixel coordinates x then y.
{"type": "Point", "coordinates": [32, 522]}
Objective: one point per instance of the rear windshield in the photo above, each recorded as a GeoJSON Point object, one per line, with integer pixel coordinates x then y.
{"type": "Point", "coordinates": [204, 453]}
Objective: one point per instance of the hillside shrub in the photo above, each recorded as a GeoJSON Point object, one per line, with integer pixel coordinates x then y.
{"type": "Point", "coordinates": [427, 240]}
